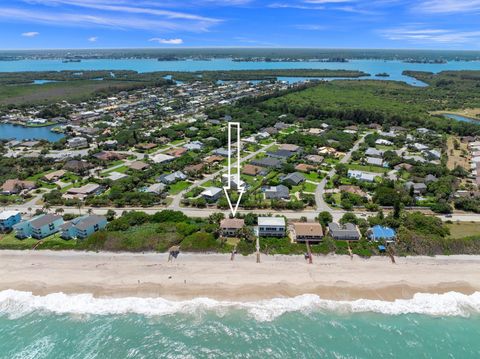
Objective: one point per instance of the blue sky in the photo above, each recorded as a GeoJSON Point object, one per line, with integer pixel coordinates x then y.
{"type": "Point", "coordinates": [432, 24]}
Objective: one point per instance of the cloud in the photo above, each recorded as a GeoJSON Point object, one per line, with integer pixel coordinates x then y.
{"type": "Point", "coordinates": [417, 34]}
{"type": "Point", "coordinates": [93, 39]}
{"type": "Point", "coordinates": [167, 41]}
{"type": "Point", "coordinates": [30, 34]}
{"type": "Point", "coordinates": [449, 6]}
{"type": "Point", "coordinates": [121, 14]}
{"type": "Point", "coordinates": [116, 21]}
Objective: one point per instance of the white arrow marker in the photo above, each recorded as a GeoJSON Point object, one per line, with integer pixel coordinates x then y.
{"type": "Point", "coordinates": [239, 185]}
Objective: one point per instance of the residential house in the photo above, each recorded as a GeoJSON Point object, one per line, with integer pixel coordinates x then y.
{"type": "Point", "coordinates": [194, 146]}
{"type": "Point", "coordinates": [145, 146]}
{"type": "Point", "coordinates": [109, 156]}
{"type": "Point", "coordinates": [77, 166]}
{"type": "Point", "coordinates": [277, 192]}
{"type": "Point", "coordinates": [54, 176]}
{"type": "Point", "coordinates": [289, 147]}
{"type": "Point", "coordinates": [293, 179]}
{"type": "Point", "coordinates": [315, 159]}
{"type": "Point", "coordinates": [344, 232]}
{"type": "Point", "coordinates": [221, 152]}
{"type": "Point", "coordinates": [380, 233]}
{"type": "Point", "coordinates": [418, 188]}
{"type": "Point", "coordinates": [212, 194]}
{"type": "Point", "coordinates": [383, 142]}
{"type": "Point", "coordinates": [15, 186]}
{"type": "Point", "coordinates": [156, 188]}
{"type": "Point", "coordinates": [162, 158]}
{"type": "Point", "coordinates": [362, 176]}
{"type": "Point", "coordinates": [311, 232]}
{"type": "Point", "coordinates": [194, 170]}
{"type": "Point", "coordinates": [89, 189]}
{"type": "Point", "coordinates": [8, 219]}
{"type": "Point", "coordinates": [139, 166]}
{"type": "Point", "coordinates": [77, 142]}
{"type": "Point", "coordinates": [374, 161]}
{"type": "Point", "coordinates": [212, 160]}
{"type": "Point", "coordinates": [353, 190]}
{"type": "Point", "coordinates": [235, 182]}
{"type": "Point", "coordinates": [373, 152]}
{"type": "Point", "coordinates": [82, 227]}
{"type": "Point", "coordinates": [177, 152]}
{"type": "Point", "coordinates": [251, 170]}
{"type": "Point", "coordinates": [267, 162]}
{"type": "Point", "coordinates": [230, 226]}
{"type": "Point", "coordinates": [115, 176]}
{"type": "Point", "coordinates": [39, 227]}
{"type": "Point", "coordinates": [280, 154]}
{"type": "Point", "coordinates": [172, 177]}
{"type": "Point", "coordinates": [271, 227]}
{"type": "Point", "coordinates": [303, 167]}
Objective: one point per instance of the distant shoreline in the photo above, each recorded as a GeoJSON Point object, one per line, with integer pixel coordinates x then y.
{"type": "Point", "coordinates": [216, 277]}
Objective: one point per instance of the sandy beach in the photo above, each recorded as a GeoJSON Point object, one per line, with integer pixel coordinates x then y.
{"type": "Point", "coordinates": [216, 276]}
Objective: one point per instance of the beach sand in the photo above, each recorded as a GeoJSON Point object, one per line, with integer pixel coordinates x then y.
{"type": "Point", "coordinates": [215, 276]}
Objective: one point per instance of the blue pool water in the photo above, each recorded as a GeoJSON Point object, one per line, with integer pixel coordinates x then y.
{"type": "Point", "coordinates": [461, 118]}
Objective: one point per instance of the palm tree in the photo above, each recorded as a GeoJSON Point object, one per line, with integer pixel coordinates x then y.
{"type": "Point", "coordinates": [79, 206]}
{"type": "Point", "coordinates": [46, 207]}
{"type": "Point", "coordinates": [90, 211]}
{"type": "Point", "coordinates": [59, 211]}
{"type": "Point", "coordinates": [29, 209]}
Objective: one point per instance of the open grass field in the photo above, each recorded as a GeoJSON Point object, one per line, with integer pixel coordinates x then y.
{"type": "Point", "coordinates": [374, 169]}
{"type": "Point", "coordinates": [456, 156]}
{"type": "Point", "coordinates": [178, 187]}
{"type": "Point", "coordinates": [464, 229]}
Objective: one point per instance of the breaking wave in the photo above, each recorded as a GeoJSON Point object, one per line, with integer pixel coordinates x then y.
{"type": "Point", "coordinates": [16, 304]}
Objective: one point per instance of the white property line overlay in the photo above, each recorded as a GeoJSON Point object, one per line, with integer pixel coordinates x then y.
{"type": "Point", "coordinates": [229, 179]}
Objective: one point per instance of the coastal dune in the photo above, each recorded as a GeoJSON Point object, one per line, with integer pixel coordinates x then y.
{"type": "Point", "coordinates": [217, 277]}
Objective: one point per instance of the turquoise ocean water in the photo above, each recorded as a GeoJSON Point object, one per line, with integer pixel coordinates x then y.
{"type": "Point", "coordinates": [373, 67]}
{"type": "Point", "coordinates": [60, 326]}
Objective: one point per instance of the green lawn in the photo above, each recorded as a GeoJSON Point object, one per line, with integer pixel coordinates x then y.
{"type": "Point", "coordinates": [313, 176]}
{"type": "Point", "coordinates": [309, 187]}
{"type": "Point", "coordinates": [9, 241]}
{"type": "Point", "coordinates": [121, 169]}
{"type": "Point", "coordinates": [375, 169]}
{"type": "Point", "coordinates": [178, 187]}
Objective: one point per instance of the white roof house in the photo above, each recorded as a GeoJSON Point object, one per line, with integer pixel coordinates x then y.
{"type": "Point", "coordinates": [7, 214]}
{"type": "Point", "coordinates": [160, 158]}
{"type": "Point", "coordinates": [271, 221]}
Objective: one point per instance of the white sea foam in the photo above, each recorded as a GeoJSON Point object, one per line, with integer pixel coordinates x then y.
{"type": "Point", "coordinates": [16, 304]}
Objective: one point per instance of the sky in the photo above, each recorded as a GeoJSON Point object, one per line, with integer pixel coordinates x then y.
{"type": "Point", "coordinates": [410, 24]}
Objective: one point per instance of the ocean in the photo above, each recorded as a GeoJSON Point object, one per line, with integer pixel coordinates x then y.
{"type": "Point", "coordinates": [80, 326]}
{"type": "Point", "coordinates": [373, 67]}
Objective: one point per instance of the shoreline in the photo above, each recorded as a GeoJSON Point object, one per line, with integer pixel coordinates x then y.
{"type": "Point", "coordinates": [214, 276]}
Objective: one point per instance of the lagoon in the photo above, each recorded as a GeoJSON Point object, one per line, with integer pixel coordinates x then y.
{"type": "Point", "coordinates": [9, 131]}
{"type": "Point", "coordinates": [461, 118]}
{"type": "Point", "coordinates": [393, 68]}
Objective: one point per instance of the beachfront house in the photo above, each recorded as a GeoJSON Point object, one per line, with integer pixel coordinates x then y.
{"type": "Point", "coordinates": [311, 232]}
{"type": "Point", "coordinates": [344, 232]}
{"type": "Point", "coordinates": [82, 227]}
{"type": "Point", "coordinates": [39, 227]}
{"type": "Point", "coordinates": [230, 226]}
{"type": "Point", "coordinates": [8, 219]}
{"type": "Point", "coordinates": [271, 227]}
{"type": "Point", "coordinates": [380, 233]}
